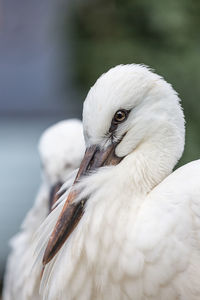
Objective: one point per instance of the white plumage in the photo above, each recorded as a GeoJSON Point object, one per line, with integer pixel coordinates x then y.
{"type": "Point", "coordinates": [61, 149]}
{"type": "Point", "coordinates": [139, 235]}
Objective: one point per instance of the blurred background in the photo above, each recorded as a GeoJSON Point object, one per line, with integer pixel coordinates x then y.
{"type": "Point", "coordinates": [52, 51]}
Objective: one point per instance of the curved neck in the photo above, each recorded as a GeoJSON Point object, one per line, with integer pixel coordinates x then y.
{"type": "Point", "coordinates": [148, 165]}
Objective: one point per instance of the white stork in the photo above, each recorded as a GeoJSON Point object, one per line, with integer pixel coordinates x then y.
{"type": "Point", "coordinates": [130, 227]}
{"type": "Point", "coordinates": [61, 149]}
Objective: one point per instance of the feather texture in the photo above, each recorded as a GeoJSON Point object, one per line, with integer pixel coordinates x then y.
{"type": "Point", "coordinates": [61, 149]}
{"type": "Point", "coordinates": [139, 236]}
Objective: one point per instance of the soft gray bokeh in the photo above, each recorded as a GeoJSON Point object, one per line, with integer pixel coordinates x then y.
{"type": "Point", "coordinates": [30, 101]}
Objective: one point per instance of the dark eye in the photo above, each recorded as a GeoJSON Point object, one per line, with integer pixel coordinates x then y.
{"type": "Point", "coordinates": [120, 116]}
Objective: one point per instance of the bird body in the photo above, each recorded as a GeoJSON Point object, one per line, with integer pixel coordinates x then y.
{"type": "Point", "coordinates": [60, 155]}
{"type": "Point", "coordinates": [129, 227]}
{"type": "Point", "coordinates": [132, 247]}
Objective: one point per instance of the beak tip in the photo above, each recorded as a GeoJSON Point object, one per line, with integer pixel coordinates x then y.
{"type": "Point", "coordinates": [72, 211]}
{"type": "Point", "coordinates": [49, 251]}
{"type": "Point", "coordinates": [46, 257]}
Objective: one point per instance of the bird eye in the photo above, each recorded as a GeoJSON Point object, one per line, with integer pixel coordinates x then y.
{"type": "Point", "coordinates": [120, 116]}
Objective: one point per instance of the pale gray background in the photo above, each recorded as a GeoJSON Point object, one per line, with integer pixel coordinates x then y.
{"type": "Point", "coordinates": [30, 101]}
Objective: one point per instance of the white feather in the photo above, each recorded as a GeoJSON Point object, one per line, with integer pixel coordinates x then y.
{"type": "Point", "coordinates": [61, 150]}
{"type": "Point", "coordinates": [139, 237]}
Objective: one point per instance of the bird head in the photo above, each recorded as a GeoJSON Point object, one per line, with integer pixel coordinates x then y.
{"type": "Point", "coordinates": [129, 109]}
{"type": "Point", "coordinates": [130, 105]}
{"type": "Point", "coordinates": [61, 149]}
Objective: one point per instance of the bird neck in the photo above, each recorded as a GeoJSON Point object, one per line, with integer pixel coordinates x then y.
{"type": "Point", "coordinates": [139, 172]}
{"type": "Point", "coordinates": [147, 166]}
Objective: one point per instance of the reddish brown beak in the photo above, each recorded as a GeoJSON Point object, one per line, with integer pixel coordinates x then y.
{"type": "Point", "coordinates": [72, 212]}
{"type": "Point", "coordinates": [54, 195]}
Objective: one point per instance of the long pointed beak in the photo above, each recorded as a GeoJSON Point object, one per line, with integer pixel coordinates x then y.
{"type": "Point", "coordinates": [54, 196]}
{"type": "Point", "coordinates": [72, 212]}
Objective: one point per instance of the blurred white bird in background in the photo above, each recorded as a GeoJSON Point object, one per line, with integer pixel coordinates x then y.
{"type": "Point", "coordinates": [61, 149]}
{"type": "Point", "coordinates": [129, 229]}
